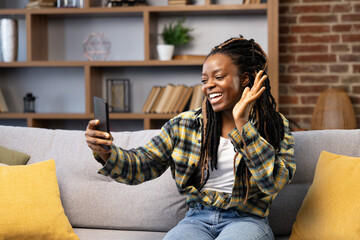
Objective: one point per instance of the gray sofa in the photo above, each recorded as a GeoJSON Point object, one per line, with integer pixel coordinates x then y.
{"type": "Point", "coordinates": [99, 208]}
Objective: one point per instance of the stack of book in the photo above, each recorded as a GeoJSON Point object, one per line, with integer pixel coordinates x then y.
{"type": "Point", "coordinates": [179, 2]}
{"type": "Point", "coordinates": [254, 1]}
{"type": "Point", "coordinates": [34, 4]}
{"type": "Point", "coordinates": [173, 99]}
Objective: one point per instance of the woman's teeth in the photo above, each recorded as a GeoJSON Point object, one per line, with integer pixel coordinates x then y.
{"type": "Point", "coordinates": [214, 95]}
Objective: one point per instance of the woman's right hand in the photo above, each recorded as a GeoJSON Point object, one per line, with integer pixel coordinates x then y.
{"type": "Point", "coordinates": [95, 139]}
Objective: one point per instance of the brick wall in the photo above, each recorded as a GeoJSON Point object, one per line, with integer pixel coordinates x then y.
{"type": "Point", "coordinates": [319, 49]}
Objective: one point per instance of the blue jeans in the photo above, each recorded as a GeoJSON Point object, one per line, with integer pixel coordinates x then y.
{"type": "Point", "coordinates": [208, 223]}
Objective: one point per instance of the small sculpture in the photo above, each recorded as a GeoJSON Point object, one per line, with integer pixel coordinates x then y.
{"type": "Point", "coordinates": [96, 47]}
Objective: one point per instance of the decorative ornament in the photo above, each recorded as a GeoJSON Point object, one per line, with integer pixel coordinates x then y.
{"type": "Point", "coordinates": [96, 47]}
{"type": "Point", "coordinates": [9, 39]}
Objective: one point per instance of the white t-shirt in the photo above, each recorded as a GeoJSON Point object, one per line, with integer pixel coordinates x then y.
{"type": "Point", "coordinates": [222, 178]}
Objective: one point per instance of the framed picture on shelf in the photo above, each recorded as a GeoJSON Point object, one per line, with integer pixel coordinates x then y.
{"type": "Point", "coordinates": [118, 95]}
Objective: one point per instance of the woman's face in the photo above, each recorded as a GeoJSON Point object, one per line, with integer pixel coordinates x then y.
{"type": "Point", "coordinates": [221, 82]}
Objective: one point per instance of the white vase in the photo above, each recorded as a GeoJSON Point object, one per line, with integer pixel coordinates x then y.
{"type": "Point", "coordinates": [9, 39]}
{"type": "Point", "coordinates": [165, 52]}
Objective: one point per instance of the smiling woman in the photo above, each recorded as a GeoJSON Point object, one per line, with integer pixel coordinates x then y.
{"type": "Point", "coordinates": [238, 125]}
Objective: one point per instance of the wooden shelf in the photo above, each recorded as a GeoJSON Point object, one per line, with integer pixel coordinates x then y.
{"type": "Point", "coordinates": [149, 63]}
{"type": "Point", "coordinates": [112, 116]}
{"type": "Point", "coordinates": [39, 22]}
{"type": "Point", "coordinates": [188, 9]}
{"type": "Point", "coordinates": [150, 121]}
{"type": "Point", "coordinates": [13, 12]}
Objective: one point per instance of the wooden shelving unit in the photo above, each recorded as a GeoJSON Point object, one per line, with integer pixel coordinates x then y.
{"type": "Point", "coordinates": [37, 55]}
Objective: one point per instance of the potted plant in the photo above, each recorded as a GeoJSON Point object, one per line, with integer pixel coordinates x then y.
{"type": "Point", "coordinates": [173, 34]}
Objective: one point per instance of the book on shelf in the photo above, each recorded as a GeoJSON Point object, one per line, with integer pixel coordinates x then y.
{"type": "Point", "coordinates": [173, 99]}
{"type": "Point", "coordinates": [41, 4]}
{"type": "Point", "coordinates": [197, 97]}
{"type": "Point", "coordinates": [170, 99]}
{"type": "Point", "coordinates": [179, 2]}
{"type": "Point", "coordinates": [150, 100]}
{"type": "Point", "coordinates": [164, 100]}
{"type": "Point", "coordinates": [184, 99]}
{"type": "Point", "coordinates": [157, 96]}
{"type": "Point", "coordinates": [254, 1]}
{"type": "Point", "coordinates": [3, 105]}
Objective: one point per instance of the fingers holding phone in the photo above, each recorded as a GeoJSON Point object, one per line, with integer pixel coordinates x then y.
{"type": "Point", "coordinates": [98, 141]}
{"type": "Point", "coordinates": [97, 133]}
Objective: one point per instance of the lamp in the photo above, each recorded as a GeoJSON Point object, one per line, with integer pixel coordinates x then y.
{"type": "Point", "coordinates": [333, 110]}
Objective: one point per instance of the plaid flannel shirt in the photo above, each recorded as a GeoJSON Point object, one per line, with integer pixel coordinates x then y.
{"type": "Point", "coordinates": [178, 147]}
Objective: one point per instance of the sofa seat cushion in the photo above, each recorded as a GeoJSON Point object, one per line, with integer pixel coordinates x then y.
{"type": "Point", "coordinates": [105, 234]}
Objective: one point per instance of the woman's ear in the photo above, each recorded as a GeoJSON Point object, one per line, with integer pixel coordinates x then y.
{"type": "Point", "coordinates": [245, 80]}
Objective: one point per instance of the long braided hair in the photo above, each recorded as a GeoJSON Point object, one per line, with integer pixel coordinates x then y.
{"type": "Point", "coordinates": [249, 57]}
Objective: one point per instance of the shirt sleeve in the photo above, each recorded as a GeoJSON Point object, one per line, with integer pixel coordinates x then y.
{"type": "Point", "coordinates": [271, 169]}
{"type": "Point", "coordinates": [140, 164]}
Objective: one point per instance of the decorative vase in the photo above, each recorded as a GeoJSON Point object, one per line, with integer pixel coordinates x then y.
{"type": "Point", "coordinates": [165, 52]}
{"type": "Point", "coordinates": [333, 110]}
{"type": "Point", "coordinates": [9, 39]}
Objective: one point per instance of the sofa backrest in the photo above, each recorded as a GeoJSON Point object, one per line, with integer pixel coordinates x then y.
{"type": "Point", "coordinates": [308, 146]}
{"type": "Point", "coordinates": [91, 200]}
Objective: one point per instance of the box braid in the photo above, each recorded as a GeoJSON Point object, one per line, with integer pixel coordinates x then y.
{"type": "Point", "coordinates": [250, 59]}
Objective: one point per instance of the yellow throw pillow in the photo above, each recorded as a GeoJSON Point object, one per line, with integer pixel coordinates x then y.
{"type": "Point", "coordinates": [331, 208]}
{"type": "Point", "coordinates": [30, 205]}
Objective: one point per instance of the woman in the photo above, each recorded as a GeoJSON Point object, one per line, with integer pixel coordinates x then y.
{"type": "Point", "coordinates": [230, 158]}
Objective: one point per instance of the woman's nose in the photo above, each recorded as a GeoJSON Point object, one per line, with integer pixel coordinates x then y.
{"type": "Point", "coordinates": [210, 84]}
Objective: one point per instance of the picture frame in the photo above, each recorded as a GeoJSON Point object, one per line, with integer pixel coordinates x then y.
{"type": "Point", "coordinates": [118, 95]}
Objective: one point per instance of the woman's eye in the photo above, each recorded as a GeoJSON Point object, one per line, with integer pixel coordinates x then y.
{"type": "Point", "coordinates": [219, 77]}
{"type": "Point", "coordinates": [203, 81]}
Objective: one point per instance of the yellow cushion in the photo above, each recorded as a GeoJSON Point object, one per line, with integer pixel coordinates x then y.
{"type": "Point", "coordinates": [30, 205]}
{"type": "Point", "coordinates": [331, 208]}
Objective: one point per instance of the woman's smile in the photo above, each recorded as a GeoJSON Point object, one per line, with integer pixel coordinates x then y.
{"type": "Point", "coordinates": [215, 97]}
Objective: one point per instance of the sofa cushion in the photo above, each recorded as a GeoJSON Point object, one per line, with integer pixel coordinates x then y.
{"type": "Point", "coordinates": [331, 208]}
{"type": "Point", "coordinates": [107, 234]}
{"type": "Point", "coordinates": [30, 206]}
{"type": "Point", "coordinates": [12, 157]}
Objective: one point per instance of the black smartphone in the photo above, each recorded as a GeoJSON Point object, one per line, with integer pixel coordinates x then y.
{"type": "Point", "coordinates": [101, 112]}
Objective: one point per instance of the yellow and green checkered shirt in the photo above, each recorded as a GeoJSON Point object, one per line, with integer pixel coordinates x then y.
{"type": "Point", "coordinates": [178, 147]}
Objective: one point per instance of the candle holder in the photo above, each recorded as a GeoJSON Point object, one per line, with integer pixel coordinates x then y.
{"type": "Point", "coordinates": [29, 103]}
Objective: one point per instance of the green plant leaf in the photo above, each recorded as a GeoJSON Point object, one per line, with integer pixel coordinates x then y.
{"type": "Point", "coordinates": [175, 33]}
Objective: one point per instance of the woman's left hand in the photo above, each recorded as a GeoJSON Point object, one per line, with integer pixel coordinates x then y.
{"type": "Point", "coordinates": [243, 108]}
